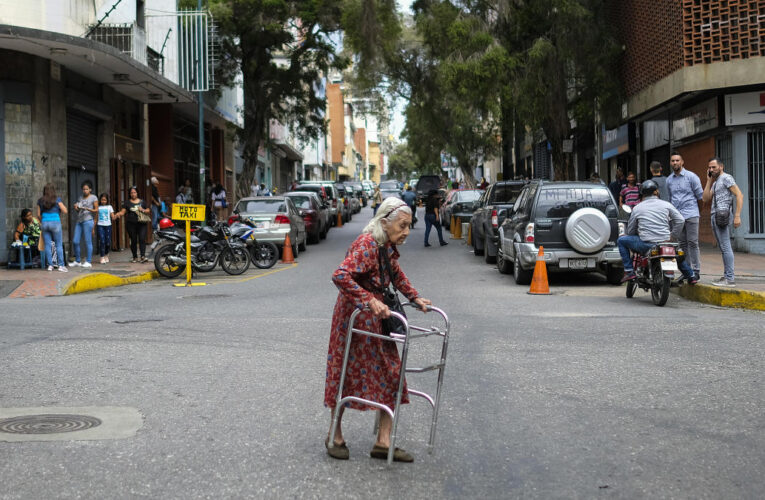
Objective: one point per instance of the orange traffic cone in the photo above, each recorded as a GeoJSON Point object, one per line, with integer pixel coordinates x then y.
{"type": "Point", "coordinates": [339, 218]}
{"type": "Point", "coordinates": [539, 285]}
{"type": "Point", "coordinates": [287, 257]}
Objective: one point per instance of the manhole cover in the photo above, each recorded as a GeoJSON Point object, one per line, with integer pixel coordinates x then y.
{"type": "Point", "coordinates": [47, 424]}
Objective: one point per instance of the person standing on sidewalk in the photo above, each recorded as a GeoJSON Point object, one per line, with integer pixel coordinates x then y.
{"type": "Point", "coordinates": [660, 180]}
{"type": "Point", "coordinates": [104, 226]}
{"type": "Point", "coordinates": [135, 227]}
{"type": "Point", "coordinates": [86, 206]}
{"type": "Point", "coordinates": [617, 184]}
{"type": "Point", "coordinates": [49, 210]}
{"type": "Point", "coordinates": [376, 200]}
{"type": "Point", "coordinates": [432, 217]}
{"type": "Point", "coordinates": [685, 193]}
{"type": "Point", "coordinates": [630, 193]}
{"type": "Point", "coordinates": [720, 190]}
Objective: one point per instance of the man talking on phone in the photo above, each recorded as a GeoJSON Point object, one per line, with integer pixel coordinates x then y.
{"type": "Point", "coordinates": [721, 188]}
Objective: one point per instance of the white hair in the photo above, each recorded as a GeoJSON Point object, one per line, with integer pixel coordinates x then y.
{"type": "Point", "coordinates": [389, 210]}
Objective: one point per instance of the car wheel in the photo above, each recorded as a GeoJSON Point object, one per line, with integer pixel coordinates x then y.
{"type": "Point", "coordinates": [504, 265]}
{"type": "Point", "coordinates": [478, 251]}
{"type": "Point", "coordinates": [295, 250]}
{"type": "Point", "coordinates": [614, 274]}
{"type": "Point", "coordinates": [302, 246]}
{"type": "Point", "coordinates": [522, 277]}
{"type": "Point", "coordinates": [490, 259]}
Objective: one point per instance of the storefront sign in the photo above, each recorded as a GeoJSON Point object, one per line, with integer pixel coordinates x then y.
{"type": "Point", "coordinates": [745, 109]}
{"type": "Point", "coordinates": [616, 141]}
{"type": "Point", "coordinates": [694, 120]}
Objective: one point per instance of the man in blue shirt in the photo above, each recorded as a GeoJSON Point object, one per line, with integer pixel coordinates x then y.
{"type": "Point", "coordinates": [685, 193]}
{"type": "Point", "coordinates": [410, 198]}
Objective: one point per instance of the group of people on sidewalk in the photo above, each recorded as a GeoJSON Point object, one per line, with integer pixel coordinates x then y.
{"type": "Point", "coordinates": [671, 204]}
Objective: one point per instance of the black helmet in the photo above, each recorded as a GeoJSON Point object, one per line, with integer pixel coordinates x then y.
{"type": "Point", "coordinates": [648, 188]}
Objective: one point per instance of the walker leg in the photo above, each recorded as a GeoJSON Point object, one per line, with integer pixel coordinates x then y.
{"type": "Point", "coordinates": [377, 423]}
{"type": "Point", "coordinates": [397, 408]}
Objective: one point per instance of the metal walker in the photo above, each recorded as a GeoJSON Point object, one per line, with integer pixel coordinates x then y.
{"type": "Point", "coordinates": [413, 332]}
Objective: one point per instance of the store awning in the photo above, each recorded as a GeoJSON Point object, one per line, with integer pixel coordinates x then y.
{"type": "Point", "coordinates": [290, 151]}
{"type": "Point", "coordinates": [97, 61]}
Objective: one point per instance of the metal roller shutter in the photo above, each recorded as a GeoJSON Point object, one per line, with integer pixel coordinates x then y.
{"type": "Point", "coordinates": [81, 140]}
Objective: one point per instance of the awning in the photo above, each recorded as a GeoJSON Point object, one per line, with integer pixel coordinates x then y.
{"type": "Point", "coordinates": [291, 152]}
{"type": "Point", "coordinates": [97, 61]}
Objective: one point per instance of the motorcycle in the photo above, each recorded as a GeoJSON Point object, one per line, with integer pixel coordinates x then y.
{"type": "Point", "coordinates": [263, 255]}
{"type": "Point", "coordinates": [656, 271]}
{"type": "Point", "coordinates": [211, 244]}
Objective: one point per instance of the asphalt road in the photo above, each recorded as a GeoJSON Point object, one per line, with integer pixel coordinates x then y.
{"type": "Point", "coordinates": [580, 394]}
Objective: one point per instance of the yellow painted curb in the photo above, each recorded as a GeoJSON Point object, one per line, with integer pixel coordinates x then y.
{"type": "Point", "coordinates": [724, 297]}
{"type": "Point", "coordinates": [97, 281]}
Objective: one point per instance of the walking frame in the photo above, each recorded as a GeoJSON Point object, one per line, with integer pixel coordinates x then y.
{"type": "Point", "coordinates": [413, 332]}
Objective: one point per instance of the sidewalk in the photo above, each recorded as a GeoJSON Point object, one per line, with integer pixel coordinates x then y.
{"type": "Point", "coordinates": [750, 281]}
{"type": "Point", "coordinates": [43, 283]}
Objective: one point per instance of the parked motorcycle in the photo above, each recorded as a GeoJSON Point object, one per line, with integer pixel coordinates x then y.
{"type": "Point", "coordinates": [211, 244]}
{"type": "Point", "coordinates": [263, 254]}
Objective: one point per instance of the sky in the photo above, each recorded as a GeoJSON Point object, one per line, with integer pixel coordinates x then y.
{"type": "Point", "coordinates": [397, 124]}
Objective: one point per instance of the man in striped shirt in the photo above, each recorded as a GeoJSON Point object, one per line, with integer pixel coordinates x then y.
{"type": "Point", "coordinates": [630, 194]}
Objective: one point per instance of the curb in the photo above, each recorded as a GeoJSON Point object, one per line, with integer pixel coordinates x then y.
{"type": "Point", "coordinates": [709, 294]}
{"type": "Point", "coordinates": [98, 281]}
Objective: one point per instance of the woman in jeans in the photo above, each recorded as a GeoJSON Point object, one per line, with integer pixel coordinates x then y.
{"type": "Point", "coordinates": [135, 229]}
{"type": "Point", "coordinates": [85, 207]}
{"type": "Point", "coordinates": [49, 210]}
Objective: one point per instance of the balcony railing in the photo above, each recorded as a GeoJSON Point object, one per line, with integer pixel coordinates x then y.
{"type": "Point", "coordinates": [129, 39]}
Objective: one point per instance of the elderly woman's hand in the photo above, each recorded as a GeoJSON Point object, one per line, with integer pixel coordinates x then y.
{"type": "Point", "coordinates": [379, 309]}
{"type": "Point", "coordinates": [422, 303]}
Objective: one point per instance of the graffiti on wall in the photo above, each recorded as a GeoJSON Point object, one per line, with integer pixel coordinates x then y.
{"type": "Point", "coordinates": [20, 166]}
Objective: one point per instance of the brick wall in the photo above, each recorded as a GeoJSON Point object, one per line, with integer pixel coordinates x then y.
{"type": "Point", "coordinates": [662, 36]}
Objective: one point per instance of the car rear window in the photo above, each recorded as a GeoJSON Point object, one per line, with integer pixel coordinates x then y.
{"type": "Point", "coordinates": [301, 201]}
{"type": "Point", "coordinates": [468, 195]}
{"type": "Point", "coordinates": [505, 194]}
{"type": "Point", "coordinates": [562, 202]}
{"type": "Point", "coordinates": [262, 206]}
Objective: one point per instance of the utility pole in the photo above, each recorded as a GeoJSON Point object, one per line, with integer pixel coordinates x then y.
{"type": "Point", "coordinates": [200, 98]}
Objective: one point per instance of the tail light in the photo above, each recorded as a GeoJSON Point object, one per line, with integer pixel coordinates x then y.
{"type": "Point", "coordinates": [232, 219]}
{"type": "Point", "coordinates": [528, 236]}
{"type": "Point", "coordinates": [622, 229]}
{"type": "Point", "coordinates": [281, 219]}
{"type": "Point", "coordinates": [308, 214]}
{"type": "Point", "coordinates": [495, 220]}
{"type": "Point", "coordinates": [667, 251]}
{"type": "Point", "coordinates": [345, 201]}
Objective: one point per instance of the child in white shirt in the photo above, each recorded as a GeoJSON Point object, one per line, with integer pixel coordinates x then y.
{"type": "Point", "coordinates": [105, 217]}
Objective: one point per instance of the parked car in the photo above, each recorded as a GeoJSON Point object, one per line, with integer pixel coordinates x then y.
{"type": "Point", "coordinates": [576, 223]}
{"type": "Point", "coordinates": [358, 189]}
{"type": "Point", "coordinates": [333, 196]}
{"type": "Point", "coordinates": [274, 217]}
{"type": "Point", "coordinates": [461, 203]}
{"type": "Point", "coordinates": [343, 202]}
{"type": "Point", "coordinates": [328, 212]}
{"type": "Point", "coordinates": [488, 216]}
{"type": "Point", "coordinates": [425, 184]}
{"type": "Point", "coordinates": [315, 214]}
{"type": "Point", "coordinates": [390, 193]}
{"type": "Point", "coordinates": [390, 185]}
{"type": "Point", "coordinates": [369, 188]}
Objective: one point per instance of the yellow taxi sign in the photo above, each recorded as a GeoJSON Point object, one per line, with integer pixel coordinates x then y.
{"type": "Point", "coordinates": [184, 211]}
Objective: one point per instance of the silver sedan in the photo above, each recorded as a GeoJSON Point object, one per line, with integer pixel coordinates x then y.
{"type": "Point", "coordinates": [274, 217]}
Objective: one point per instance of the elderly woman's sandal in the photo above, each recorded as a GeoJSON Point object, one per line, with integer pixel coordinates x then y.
{"type": "Point", "coordinates": [399, 455]}
{"type": "Point", "coordinates": [338, 451]}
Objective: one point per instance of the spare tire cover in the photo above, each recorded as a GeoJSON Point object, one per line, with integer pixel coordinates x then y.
{"type": "Point", "coordinates": [588, 230]}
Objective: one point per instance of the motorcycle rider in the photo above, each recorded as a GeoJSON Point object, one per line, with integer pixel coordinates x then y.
{"type": "Point", "coordinates": [649, 224]}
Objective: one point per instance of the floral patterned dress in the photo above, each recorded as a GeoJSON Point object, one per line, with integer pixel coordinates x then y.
{"type": "Point", "coordinates": [373, 364]}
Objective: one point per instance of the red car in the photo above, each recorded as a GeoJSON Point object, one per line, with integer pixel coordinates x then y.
{"type": "Point", "coordinates": [313, 212]}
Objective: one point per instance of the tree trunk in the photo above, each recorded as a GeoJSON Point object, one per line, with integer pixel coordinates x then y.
{"type": "Point", "coordinates": [467, 170]}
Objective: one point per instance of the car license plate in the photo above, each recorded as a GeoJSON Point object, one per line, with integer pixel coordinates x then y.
{"type": "Point", "coordinates": [262, 225]}
{"type": "Point", "coordinates": [577, 263]}
{"type": "Point", "coordinates": [668, 265]}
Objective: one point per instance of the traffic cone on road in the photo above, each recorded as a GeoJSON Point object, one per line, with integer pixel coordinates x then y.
{"type": "Point", "coordinates": [339, 218]}
{"type": "Point", "coordinates": [539, 285]}
{"type": "Point", "coordinates": [287, 257]}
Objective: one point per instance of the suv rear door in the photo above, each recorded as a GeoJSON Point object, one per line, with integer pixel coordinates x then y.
{"type": "Point", "coordinates": [555, 204]}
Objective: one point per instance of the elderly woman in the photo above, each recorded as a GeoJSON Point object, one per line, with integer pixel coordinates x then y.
{"type": "Point", "coordinates": [374, 367]}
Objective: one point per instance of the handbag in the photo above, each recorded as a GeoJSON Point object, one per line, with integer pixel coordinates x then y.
{"type": "Point", "coordinates": [142, 216]}
{"type": "Point", "coordinates": [722, 217]}
{"type": "Point", "coordinates": [390, 299]}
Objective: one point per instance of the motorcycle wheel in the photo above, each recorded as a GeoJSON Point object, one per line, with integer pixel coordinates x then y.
{"type": "Point", "coordinates": [234, 260]}
{"type": "Point", "coordinates": [163, 266]}
{"type": "Point", "coordinates": [265, 255]}
{"type": "Point", "coordinates": [631, 287]}
{"type": "Point", "coordinates": [660, 286]}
